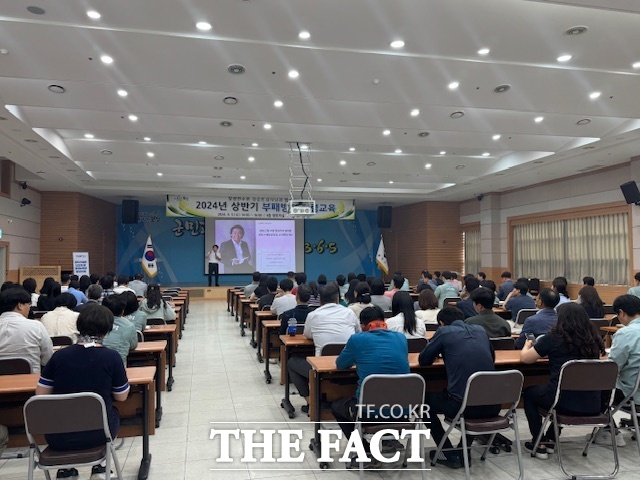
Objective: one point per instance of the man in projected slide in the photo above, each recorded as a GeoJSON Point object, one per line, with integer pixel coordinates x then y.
{"type": "Point", "coordinates": [235, 252]}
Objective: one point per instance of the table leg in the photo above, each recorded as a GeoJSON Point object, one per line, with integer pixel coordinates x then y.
{"type": "Point", "coordinates": [314, 446]}
{"type": "Point", "coordinates": [259, 342]}
{"type": "Point", "coordinates": [267, 354]}
{"type": "Point", "coordinates": [253, 342]}
{"type": "Point", "coordinates": [158, 390]}
{"type": "Point", "coordinates": [143, 473]}
{"type": "Point", "coordinates": [286, 403]}
{"type": "Point", "coordinates": [170, 356]}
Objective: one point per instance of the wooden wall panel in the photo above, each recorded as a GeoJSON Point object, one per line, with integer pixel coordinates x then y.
{"type": "Point", "coordinates": [74, 222]}
{"type": "Point", "coordinates": [424, 235]}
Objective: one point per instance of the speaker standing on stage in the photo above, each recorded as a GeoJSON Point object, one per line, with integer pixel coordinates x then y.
{"type": "Point", "coordinates": [213, 257]}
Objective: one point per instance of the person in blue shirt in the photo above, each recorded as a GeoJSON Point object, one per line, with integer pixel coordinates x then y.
{"type": "Point", "coordinates": [465, 350]}
{"type": "Point", "coordinates": [518, 299]}
{"type": "Point", "coordinates": [375, 350]}
{"type": "Point", "coordinates": [507, 285]}
{"type": "Point", "coordinates": [541, 322]}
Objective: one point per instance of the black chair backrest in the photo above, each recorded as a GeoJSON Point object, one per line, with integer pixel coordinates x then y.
{"type": "Point", "coordinates": [534, 285]}
{"type": "Point", "coordinates": [614, 321]}
{"type": "Point", "coordinates": [14, 366]}
{"type": "Point", "coordinates": [601, 322]}
{"type": "Point", "coordinates": [331, 349]}
{"type": "Point", "coordinates": [156, 321]}
{"type": "Point", "coordinates": [608, 309]}
{"type": "Point", "coordinates": [60, 340]}
{"type": "Point", "coordinates": [388, 314]}
{"type": "Point", "coordinates": [416, 345]}
{"type": "Point", "coordinates": [451, 301]}
{"type": "Point", "coordinates": [38, 314]}
{"type": "Point", "coordinates": [503, 343]}
{"type": "Point", "coordinates": [524, 314]}
{"type": "Point", "coordinates": [431, 327]}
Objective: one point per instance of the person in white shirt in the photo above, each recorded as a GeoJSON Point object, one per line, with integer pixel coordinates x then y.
{"type": "Point", "coordinates": [404, 317]}
{"type": "Point", "coordinates": [62, 319]}
{"type": "Point", "coordinates": [138, 286]}
{"type": "Point", "coordinates": [428, 307]}
{"type": "Point", "coordinates": [213, 258]}
{"type": "Point", "coordinates": [284, 300]}
{"type": "Point", "coordinates": [19, 336]}
{"type": "Point", "coordinates": [123, 285]}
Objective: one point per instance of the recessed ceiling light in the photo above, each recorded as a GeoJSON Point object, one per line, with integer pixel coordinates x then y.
{"type": "Point", "coordinates": [564, 58]}
{"type": "Point", "coordinates": [35, 10]}
{"type": "Point", "coordinates": [106, 152]}
{"type": "Point", "coordinates": [453, 85]}
{"type": "Point", "coordinates": [304, 35]}
{"type": "Point", "coordinates": [56, 88]}
{"type": "Point", "coordinates": [202, 142]}
{"type": "Point", "coordinates": [88, 135]}
{"type": "Point", "coordinates": [304, 146]}
{"type": "Point", "coordinates": [123, 93]}
{"type": "Point", "coordinates": [415, 112]}
{"type": "Point", "coordinates": [443, 152]}
{"type": "Point", "coordinates": [423, 134]}
{"type": "Point", "coordinates": [397, 150]}
{"type": "Point", "coordinates": [483, 51]}
{"type": "Point", "coordinates": [460, 167]}
{"type": "Point", "coordinates": [456, 115]}
{"type": "Point", "coordinates": [293, 74]}
{"type": "Point", "coordinates": [251, 159]}
{"type": "Point", "coordinates": [151, 154]}
{"type": "Point", "coordinates": [133, 118]}
{"type": "Point", "coordinates": [225, 123]}
{"type": "Point", "coordinates": [343, 162]}
{"type": "Point", "coordinates": [93, 14]}
{"type": "Point", "coordinates": [242, 177]}
{"type": "Point", "coordinates": [486, 154]}
{"type": "Point", "coordinates": [236, 69]}
{"type": "Point", "coordinates": [390, 181]}
{"type": "Point", "coordinates": [538, 119]}
{"type": "Point", "coordinates": [397, 44]}
{"type": "Point", "coordinates": [583, 121]}
{"type": "Point", "coordinates": [159, 174]}
{"type": "Point", "coordinates": [147, 139]}
{"type": "Point", "coordinates": [427, 166]}
{"type": "Point", "coordinates": [204, 26]}
{"type": "Point", "coordinates": [4, 51]}
{"type": "Point", "coordinates": [254, 144]}
{"type": "Point", "coordinates": [267, 126]}
{"type": "Point", "coordinates": [352, 149]}
{"type": "Point", "coordinates": [319, 179]}
{"type": "Point", "coordinates": [278, 103]}
{"type": "Point", "coordinates": [579, 30]}
{"type": "Point", "coordinates": [30, 140]}
{"type": "Point", "coordinates": [496, 137]}
{"type": "Point", "coordinates": [594, 95]}
{"type": "Point", "coordinates": [218, 157]}
{"type": "Point", "coordinates": [371, 164]}
{"type": "Point", "coordinates": [635, 65]}
{"type": "Point", "coordinates": [106, 59]}
{"type": "Point", "coordinates": [230, 100]}
{"type": "Point", "coordinates": [502, 88]}
{"type": "Point", "coordinates": [386, 132]}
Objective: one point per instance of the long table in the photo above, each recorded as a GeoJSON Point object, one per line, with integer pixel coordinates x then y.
{"type": "Point", "coordinates": [165, 332]}
{"type": "Point", "coordinates": [151, 353]}
{"type": "Point", "coordinates": [136, 413]}
{"type": "Point", "coordinates": [292, 345]}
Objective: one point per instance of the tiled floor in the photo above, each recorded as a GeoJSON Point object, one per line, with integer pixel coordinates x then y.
{"type": "Point", "coordinates": [218, 379]}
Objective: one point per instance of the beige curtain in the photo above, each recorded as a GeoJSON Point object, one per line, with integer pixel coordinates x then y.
{"type": "Point", "coordinates": [472, 251]}
{"type": "Point", "coordinates": [594, 246]}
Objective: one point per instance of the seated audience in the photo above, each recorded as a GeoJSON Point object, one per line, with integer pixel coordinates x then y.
{"type": "Point", "coordinates": [362, 297]}
{"type": "Point", "coordinates": [447, 289]}
{"type": "Point", "coordinates": [322, 281]}
{"type": "Point", "coordinates": [314, 299]}
{"type": "Point", "coordinates": [494, 325]}
{"type": "Point", "coordinates": [19, 336]}
{"type": "Point", "coordinates": [65, 279]}
{"type": "Point", "coordinates": [394, 286]}
{"type": "Point", "coordinates": [155, 306]}
{"type": "Point", "coordinates": [94, 294]}
{"type": "Point", "coordinates": [132, 311]}
{"type": "Point", "coordinates": [481, 276]}
{"type": "Point", "coordinates": [343, 286]}
{"type": "Point", "coordinates": [350, 296]}
{"type": "Point", "coordinates": [123, 285]}
{"type": "Point", "coordinates": [30, 285]}
{"type": "Point", "coordinates": [107, 286]}
{"type": "Point", "coordinates": [466, 350]}
{"type": "Point", "coordinates": [122, 338]}
{"type": "Point", "coordinates": [48, 293]}
{"type": "Point", "coordinates": [635, 290]}
{"type": "Point", "coordinates": [62, 319]}
{"type": "Point", "coordinates": [437, 278]}
{"type": "Point", "coordinates": [491, 286]}
{"type": "Point", "coordinates": [428, 307]}
{"type": "Point", "coordinates": [261, 289]}
{"type": "Point", "coordinates": [543, 320]}
{"type": "Point", "coordinates": [589, 281]}
{"type": "Point", "coordinates": [455, 281]}
{"type": "Point", "coordinates": [405, 283]}
{"type": "Point", "coordinates": [378, 296]}
{"type": "Point", "coordinates": [404, 317]}
{"type": "Point", "coordinates": [87, 367]}
{"type": "Point", "coordinates": [267, 299]}
{"type": "Point", "coordinates": [590, 300]}
{"type": "Point", "coordinates": [507, 285]}
{"type": "Point", "coordinates": [466, 305]}
{"type": "Point", "coordinates": [74, 289]}
{"type": "Point", "coordinates": [518, 299]}
{"type": "Point", "coordinates": [574, 337]}
{"type": "Point", "coordinates": [300, 279]}
{"type": "Point", "coordinates": [376, 350]}
{"type": "Point", "coordinates": [559, 285]}
{"type": "Point", "coordinates": [138, 286]}
{"type": "Point", "coordinates": [284, 300]}
{"type": "Point", "coordinates": [83, 283]}
{"type": "Point", "coordinates": [300, 311]}
{"type": "Point", "coordinates": [255, 281]}
{"type": "Point", "coordinates": [424, 281]}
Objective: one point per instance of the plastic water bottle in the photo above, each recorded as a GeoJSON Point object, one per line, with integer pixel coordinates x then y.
{"type": "Point", "coordinates": [292, 326]}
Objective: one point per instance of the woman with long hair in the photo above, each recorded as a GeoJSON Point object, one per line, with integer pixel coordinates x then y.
{"type": "Point", "coordinates": [590, 300]}
{"type": "Point", "coordinates": [404, 317]}
{"type": "Point", "coordinates": [574, 337]}
{"type": "Point", "coordinates": [48, 293]}
{"type": "Point", "coordinates": [362, 298]}
{"type": "Point", "coordinates": [350, 296]}
{"type": "Point", "coordinates": [155, 307]}
{"type": "Point", "coordinates": [314, 300]}
{"type": "Point", "coordinates": [428, 303]}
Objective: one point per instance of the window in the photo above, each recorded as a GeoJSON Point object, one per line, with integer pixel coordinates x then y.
{"type": "Point", "coordinates": [472, 252]}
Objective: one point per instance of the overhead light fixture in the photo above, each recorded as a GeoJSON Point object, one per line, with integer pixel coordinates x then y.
{"type": "Point", "coordinates": [423, 134]}
{"type": "Point", "coordinates": [236, 69]}
{"type": "Point", "coordinates": [386, 132]}
{"type": "Point", "coordinates": [133, 118]}
{"type": "Point", "coordinates": [564, 58]}
{"type": "Point", "coordinates": [483, 51]}
{"type": "Point", "coordinates": [293, 74]}
{"type": "Point", "coordinates": [427, 166]}
{"type": "Point", "coordinates": [56, 88]}
{"type": "Point", "coordinates": [267, 126]}
{"type": "Point", "coordinates": [106, 59]}
{"type": "Point", "coordinates": [352, 149]}
{"type": "Point", "coordinates": [397, 150]}
{"type": "Point", "coordinates": [304, 146]}
{"type": "Point", "coordinates": [636, 65]}
{"type": "Point", "coordinates": [594, 95]}
{"type": "Point", "coordinates": [93, 15]}
{"type": "Point", "coordinates": [225, 123]}
{"type": "Point", "coordinates": [254, 144]}
{"type": "Point", "coordinates": [579, 30]}
{"type": "Point", "coordinates": [123, 93]}
{"type": "Point", "coordinates": [147, 139]}
{"type": "Point", "coordinates": [159, 174]}
{"type": "Point", "coordinates": [242, 177]}
{"type": "Point", "coordinates": [88, 135]}
{"type": "Point", "coordinates": [415, 112]}
{"type": "Point", "coordinates": [504, 88]}
{"type": "Point", "coordinates": [204, 26]}
{"type": "Point", "coordinates": [251, 159]}
{"type": "Point", "coordinates": [151, 154]}
{"type": "Point", "coordinates": [538, 119]}
{"type": "Point", "coordinates": [583, 121]}
{"type": "Point", "coordinates": [36, 10]}
{"type": "Point", "coordinates": [318, 179]}
{"type": "Point", "coordinates": [486, 154]}
{"type": "Point", "coordinates": [453, 85]}
{"type": "Point", "coordinates": [278, 103]}
{"type": "Point", "coordinates": [456, 115]}
{"type": "Point", "coordinates": [304, 35]}
{"type": "Point", "coordinates": [106, 152]}
{"type": "Point", "coordinates": [390, 181]}
{"type": "Point", "coordinates": [443, 152]}
{"type": "Point", "coordinates": [230, 100]}
{"type": "Point", "coordinates": [397, 44]}
{"type": "Point", "coordinates": [496, 137]}
{"type": "Point", "coordinates": [343, 162]}
{"type": "Point", "coordinates": [218, 157]}
{"type": "Point", "coordinates": [202, 142]}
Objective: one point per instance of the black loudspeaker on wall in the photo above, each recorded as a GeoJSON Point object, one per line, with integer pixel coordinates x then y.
{"type": "Point", "coordinates": [384, 217]}
{"type": "Point", "coordinates": [129, 211]}
{"type": "Point", "coordinates": [631, 192]}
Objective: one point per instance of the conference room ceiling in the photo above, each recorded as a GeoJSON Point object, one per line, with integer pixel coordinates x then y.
{"type": "Point", "coordinates": [352, 86]}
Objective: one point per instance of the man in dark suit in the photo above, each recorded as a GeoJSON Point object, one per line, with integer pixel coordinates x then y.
{"type": "Point", "coordinates": [235, 252]}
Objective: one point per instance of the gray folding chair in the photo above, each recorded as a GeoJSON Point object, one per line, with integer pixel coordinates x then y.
{"type": "Point", "coordinates": [140, 336]}
{"type": "Point", "coordinates": [524, 314]}
{"type": "Point", "coordinates": [49, 414]}
{"type": "Point", "coordinates": [406, 391]}
{"type": "Point", "coordinates": [488, 388]}
{"type": "Point", "coordinates": [583, 376]}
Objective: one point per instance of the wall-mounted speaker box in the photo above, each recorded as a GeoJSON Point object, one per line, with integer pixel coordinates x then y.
{"type": "Point", "coordinates": [129, 211]}
{"type": "Point", "coordinates": [631, 192]}
{"type": "Point", "coordinates": [384, 217]}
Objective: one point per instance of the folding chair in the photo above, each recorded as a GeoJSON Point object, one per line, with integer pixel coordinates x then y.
{"type": "Point", "coordinates": [601, 322]}
{"type": "Point", "coordinates": [48, 414]}
{"type": "Point", "coordinates": [431, 327]}
{"type": "Point", "coordinates": [583, 376]}
{"type": "Point", "coordinates": [14, 366]}
{"type": "Point", "coordinates": [451, 301]}
{"type": "Point", "coordinates": [377, 391]}
{"type": "Point", "coordinates": [61, 340]}
{"type": "Point", "coordinates": [628, 406]}
{"type": "Point", "coordinates": [503, 343]}
{"type": "Point", "coordinates": [488, 388]}
{"type": "Point", "coordinates": [156, 321]}
{"type": "Point", "coordinates": [416, 345]}
{"type": "Point", "coordinates": [524, 314]}
{"type": "Point", "coordinates": [534, 286]}
{"type": "Point", "coordinates": [140, 336]}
